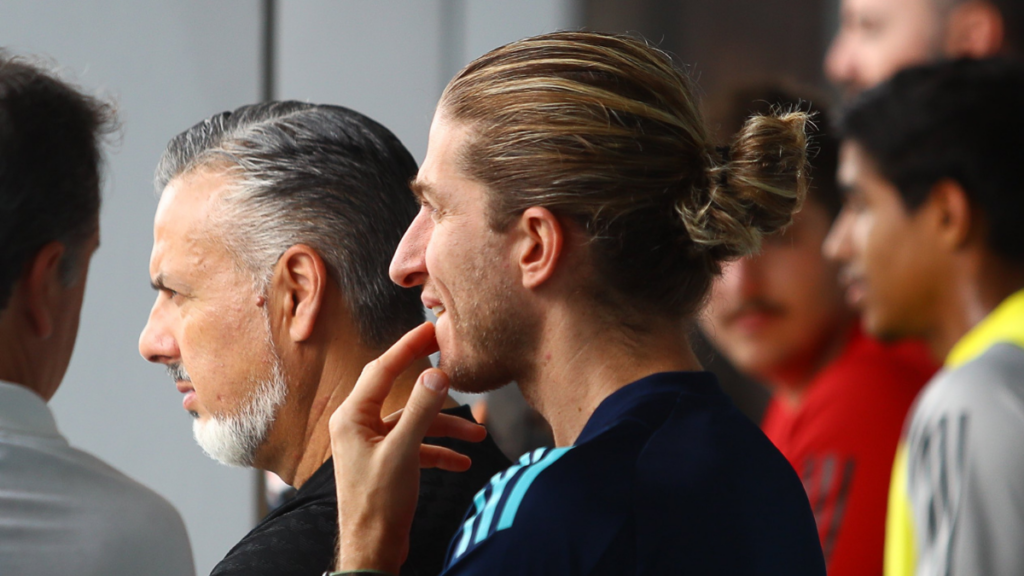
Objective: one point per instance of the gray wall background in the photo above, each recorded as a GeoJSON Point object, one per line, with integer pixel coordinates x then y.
{"type": "Point", "coordinates": [169, 64]}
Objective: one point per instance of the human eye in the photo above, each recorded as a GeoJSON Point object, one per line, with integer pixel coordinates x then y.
{"type": "Point", "coordinates": [855, 203]}
{"type": "Point", "coordinates": [431, 209]}
{"type": "Point", "coordinates": [870, 26]}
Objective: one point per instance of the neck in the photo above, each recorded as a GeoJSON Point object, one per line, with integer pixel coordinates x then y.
{"type": "Point", "coordinates": [585, 360]}
{"type": "Point", "coordinates": [24, 359]}
{"type": "Point", "coordinates": [792, 379]}
{"type": "Point", "coordinates": [303, 434]}
{"type": "Point", "coordinates": [979, 285]}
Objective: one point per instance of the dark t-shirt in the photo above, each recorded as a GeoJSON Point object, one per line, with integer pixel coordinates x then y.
{"type": "Point", "coordinates": [667, 477]}
{"type": "Point", "coordinates": [300, 537]}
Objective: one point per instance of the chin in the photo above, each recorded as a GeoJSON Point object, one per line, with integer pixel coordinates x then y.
{"type": "Point", "coordinates": [477, 377]}
{"type": "Point", "coordinates": [880, 328]}
{"type": "Point", "coordinates": [235, 439]}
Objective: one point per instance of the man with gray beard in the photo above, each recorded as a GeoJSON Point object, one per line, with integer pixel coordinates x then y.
{"type": "Point", "coordinates": [273, 235]}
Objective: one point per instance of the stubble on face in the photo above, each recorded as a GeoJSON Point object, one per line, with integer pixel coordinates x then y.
{"type": "Point", "coordinates": [235, 438]}
{"type": "Point", "coordinates": [496, 332]}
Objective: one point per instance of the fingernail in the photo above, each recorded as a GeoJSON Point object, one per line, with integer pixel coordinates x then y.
{"type": "Point", "coordinates": [434, 381]}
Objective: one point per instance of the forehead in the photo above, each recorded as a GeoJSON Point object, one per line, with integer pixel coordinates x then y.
{"type": "Point", "coordinates": [854, 163]}
{"type": "Point", "coordinates": [183, 217]}
{"type": "Point", "coordinates": [441, 177]}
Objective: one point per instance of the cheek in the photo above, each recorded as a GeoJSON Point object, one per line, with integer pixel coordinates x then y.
{"type": "Point", "coordinates": [725, 289]}
{"type": "Point", "coordinates": [222, 350]}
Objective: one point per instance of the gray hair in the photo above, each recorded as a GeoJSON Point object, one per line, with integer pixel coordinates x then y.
{"type": "Point", "coordinates": [319, 175]}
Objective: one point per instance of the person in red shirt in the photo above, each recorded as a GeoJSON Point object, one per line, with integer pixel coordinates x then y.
{"type": "Point", "coordinates": [839, 398]}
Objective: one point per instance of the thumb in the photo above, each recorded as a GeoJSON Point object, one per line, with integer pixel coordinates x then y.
{"type": "Point", "coordinates": [426, 400]}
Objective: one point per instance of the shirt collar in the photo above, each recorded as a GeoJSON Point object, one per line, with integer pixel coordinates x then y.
{"type": "Point", "coordinates": [621, 402]}
{"type": "Point", "coordinates": [22, 411]}
{"type": "Point", "coordinates": [1005, 324]}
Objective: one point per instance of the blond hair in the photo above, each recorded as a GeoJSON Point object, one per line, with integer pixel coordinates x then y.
{"type": "Point", "coordinates": [604, 130]}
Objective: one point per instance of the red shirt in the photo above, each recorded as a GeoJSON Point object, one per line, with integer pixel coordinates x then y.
{"type": "Point", "coordinates": [842, 439]}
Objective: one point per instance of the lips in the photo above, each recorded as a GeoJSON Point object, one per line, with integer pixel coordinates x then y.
{"type": "Point", "coordinates": [188, 402]}
{"type": "Point", "coordinates": [754, 321]}
{"type": "Point", "coordinates": [855, 287]}
{"type": "Point", "coordinates": [433, 304]}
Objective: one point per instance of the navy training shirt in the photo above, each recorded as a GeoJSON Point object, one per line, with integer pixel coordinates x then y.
{"type": "Point", "coordinates": [667, 477]}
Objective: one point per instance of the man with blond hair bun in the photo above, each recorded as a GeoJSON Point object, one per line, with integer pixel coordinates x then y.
{"type": "Point", "coordinates": [574, 213]}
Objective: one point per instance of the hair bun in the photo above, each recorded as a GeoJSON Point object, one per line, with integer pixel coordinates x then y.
{"type": "Point", "coordinates": [753, 188]}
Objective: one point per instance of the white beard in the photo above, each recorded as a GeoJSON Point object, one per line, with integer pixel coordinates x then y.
{"type": "Point", "coordinates": [234, 439]}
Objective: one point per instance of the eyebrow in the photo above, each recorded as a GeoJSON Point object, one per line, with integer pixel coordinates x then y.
{"type": "Point", "coordinates": [421, 189]}
{"type": "Point", "coordinates": [851, 190]}
{"type": "Point", "coordinates": [159, 284]}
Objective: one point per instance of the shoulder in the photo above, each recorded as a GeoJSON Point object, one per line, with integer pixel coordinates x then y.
{"type": "Point", "coordinates": [555, 506]}
{"type": "Point", "coordinates": [992, 383]}
{"type": "Point", "coordinates": [130, 527]}
{"type": "Point", "coordinates": [870, 384]}
{"type": "Point", "coordinates": [867, 365]}
{"type": "Point", "coordinates": [297, 538]}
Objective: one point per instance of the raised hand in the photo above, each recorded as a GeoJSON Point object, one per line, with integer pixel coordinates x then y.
{"type": "Point", "coordinates": [377, 460]}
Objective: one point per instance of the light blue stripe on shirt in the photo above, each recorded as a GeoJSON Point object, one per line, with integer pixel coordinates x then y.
{"type": "Point", "coordinates": [523, 484]}
{"type": "Point", "coordinates": [467, 528]}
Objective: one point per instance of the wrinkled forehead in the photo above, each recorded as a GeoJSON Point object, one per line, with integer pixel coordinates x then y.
{"type": "Point", "coordinates": [183, 227]}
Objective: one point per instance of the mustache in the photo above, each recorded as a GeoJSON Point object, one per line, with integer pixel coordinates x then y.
{"type": "Point", "coordinates": [754, 306]}
{"type": "Point", "coordinates": [178, 373]}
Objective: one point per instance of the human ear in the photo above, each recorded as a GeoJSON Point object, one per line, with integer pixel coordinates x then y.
{"type": "Point", "coordinates": [300, 283]}
{"type": "Point", "coordinates": [43, 288]}
{"type": "Point", "coordinates": [975, 30]}
{"type": "Point", "coordinates": [954, 216]}
{"type": "Point", "coordinates": [539, 246]}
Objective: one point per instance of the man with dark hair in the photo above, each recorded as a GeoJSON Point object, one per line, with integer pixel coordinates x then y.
{"type": "Point", "coordinates": [62, 511]}
{"type": "Point", "coordinates": [932, 247]}
{"type": "Point", "coordinates": [275, 228]}
{"type": "Point", "coordinates": [876, 38]}
{"type": "Point", "coordinates": [838, 397]}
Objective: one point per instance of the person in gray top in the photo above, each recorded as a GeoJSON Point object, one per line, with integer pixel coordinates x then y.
{"type": "Point", "coordinates": [62, 511]}
{"type": "Point", "coordinates": [932, 247]}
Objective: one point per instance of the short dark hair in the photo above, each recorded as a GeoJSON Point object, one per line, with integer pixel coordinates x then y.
{"type": "Point", "coordinates": [822, 147]}
{"type": "Point", "coordinates": [320, 175]}
{"type": "Point", "coordinates": [1012, 12]}
{"type": "Point", "coordinates": [50, 160]}
{"type": "Point", "coordinates": [959, 120]}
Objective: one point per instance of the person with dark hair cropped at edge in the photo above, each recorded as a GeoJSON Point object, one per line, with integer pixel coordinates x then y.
{"type": "Point", "coordinates": [62, 510]}
{"type": "Point", "coordinates": [932, 247]}
{"type": "Point", "coordinates": [574, 212]}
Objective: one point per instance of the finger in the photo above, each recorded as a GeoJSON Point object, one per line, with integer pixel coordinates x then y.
{"type": "Point", "coordinates": [379, 376]}
{"type": "Point", "coordinates": [445, 426]}
{"type": "Point", "coordinates": [443, 458]}
{"type": "Point", "coordinates": [450, 426]}
{"type": "Point", "coordinates": [425, 401]}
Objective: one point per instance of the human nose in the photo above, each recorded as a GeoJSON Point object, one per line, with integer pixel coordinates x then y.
{"type": "Point", "coordinates": [156, 343]}
{"type": "Point", "coordinates": [837, 244]}
{"type": "Point", "coordinates": [742, 279]}
{"type": "Point", "coordinates": [839, 60]}
{"type": "Point", "coordinates": [409, 266]}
